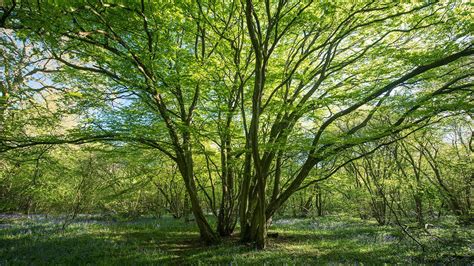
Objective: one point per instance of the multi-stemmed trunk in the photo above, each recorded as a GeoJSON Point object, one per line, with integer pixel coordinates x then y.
{"type": "Point", "coordinates": [227, 216]}
{"type": "Point", "coordinates": [226, 219]}
{"type": "Point", "coordinates": [253, 216]}
{"type": "Point", "coordinates": [252, 208]}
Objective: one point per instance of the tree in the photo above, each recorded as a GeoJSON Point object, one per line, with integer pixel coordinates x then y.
{"type": "Point", "coordinates": [301, 83]}
{"type": "Point", "coordinates": [325, 66]}
{"type": "Point", "coordinates": [156, 77]}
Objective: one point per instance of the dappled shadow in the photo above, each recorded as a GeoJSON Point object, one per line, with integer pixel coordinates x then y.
{"type": "Point", "coordinates": [119, 243]}
{"type": "Point", "coordinates": [168, 241]}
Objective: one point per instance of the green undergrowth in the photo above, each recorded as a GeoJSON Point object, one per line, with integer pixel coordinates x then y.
{"type": "Point", "coordinates": [326, 240]}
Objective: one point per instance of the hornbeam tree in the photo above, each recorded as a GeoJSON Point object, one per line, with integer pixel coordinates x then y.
{"type": "Point", "coordinates": [316, 64]}
{"type": "Point", "coordinates": [273, 83]}
{"type": "Point", "coordinates": [140, 62]}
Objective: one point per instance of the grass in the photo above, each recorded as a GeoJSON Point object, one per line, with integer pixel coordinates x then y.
{"type": "Point", "coordinates": [327, 240]}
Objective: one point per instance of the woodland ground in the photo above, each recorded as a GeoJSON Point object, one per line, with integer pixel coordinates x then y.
{"type": "Point", "coordinates": [328, 240]}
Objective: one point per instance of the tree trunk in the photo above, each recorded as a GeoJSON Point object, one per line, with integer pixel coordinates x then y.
{"type": "Point", "coordinates": [186, 168]}
{"type": "Point", "coordinates": [3, 106]}
{"type": "Point", "coordinates": [419, 211]}
{"type": "Point", "coordinates": [319, 201]}
{"type": "Point", "coordinates": [226, 219]}
{"type": "Point", "coordinates": [244, 200]}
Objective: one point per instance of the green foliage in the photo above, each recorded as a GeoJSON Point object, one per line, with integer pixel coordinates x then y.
{"type": "Point", "coordinates": [239, 109]}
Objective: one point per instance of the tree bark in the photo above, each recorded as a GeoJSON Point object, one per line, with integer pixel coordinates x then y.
{"type": "Point", "coordinates": [206, 233]}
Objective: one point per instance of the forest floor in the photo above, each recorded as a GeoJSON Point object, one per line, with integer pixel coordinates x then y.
{"type": "Point", "coordinates": [328, 240]}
